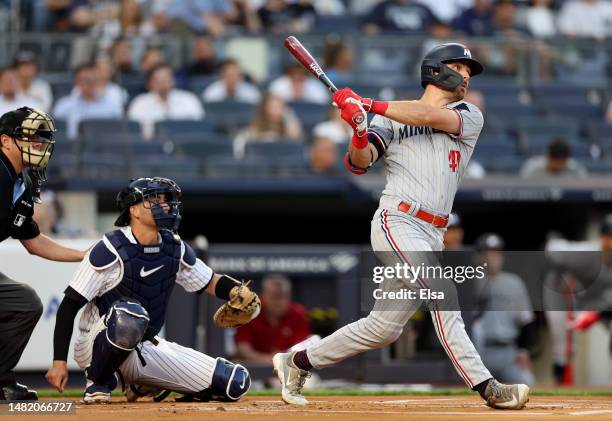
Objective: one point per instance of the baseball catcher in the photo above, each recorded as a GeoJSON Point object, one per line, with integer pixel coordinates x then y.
{"type": "Point", "coordinates": [125, 283]}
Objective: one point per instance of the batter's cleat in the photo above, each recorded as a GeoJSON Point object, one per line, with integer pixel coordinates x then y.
{"type": "Point", "coordinates": [292, 378]}
{"type": "Point", "coordinates": [506, 396]}
{"type": "Point", "coordinates": [17, 392]}
{"type": "Point", "coordinates": [98, 393]}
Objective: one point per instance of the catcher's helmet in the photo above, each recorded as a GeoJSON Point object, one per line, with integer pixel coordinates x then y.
{"type": "Point", "coordinates": [142, 188]}
{"type": "Point", "coordinates": [435, 71]}
{"type": "Point", "coordinates": [28, 127]}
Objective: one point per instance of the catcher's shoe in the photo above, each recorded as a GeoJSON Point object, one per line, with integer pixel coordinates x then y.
{"type": "Point", "coordinates": [98, 393]}
{"type": "Point", "coordinates": [17, 392]}
{"type": "Point", "coordinates": [292, 378]}
{"type": "Point", "coordinates": [506, 396]}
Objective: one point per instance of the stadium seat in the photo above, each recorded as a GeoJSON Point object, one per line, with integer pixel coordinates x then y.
{"type": "Point", "coordinates": [229, 116]}
{"type": "Point", "coordinates": [199, 83]}
{"type": "Point", "coordinates": [127, 144]}
{"type": "Point", "coordinates": [168, 166]}
{"type": "Point", "coordinates": [105, 127]}
{"type": "Point", "coordinates": [551, 128]}
{"type": "Point", "coordinates": [309, 114]}
{"type": "Point", "coordinates": [277, 150]}
{"type": "Point", "coordinates": [203, 147]}
{"type": "Point", "coordinates": [172, 129]}
{"type": "Point", "coordinates": [485, 152]}
{"type": "Point", "coordinates": [343, 24]}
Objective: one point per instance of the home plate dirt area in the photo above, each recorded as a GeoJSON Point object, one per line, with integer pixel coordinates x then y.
{"type": "Point", "coordinates": [344, 408]}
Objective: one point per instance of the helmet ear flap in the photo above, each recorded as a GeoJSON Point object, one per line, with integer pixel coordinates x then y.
{"type": "Point", "coordinates": [440, 75]}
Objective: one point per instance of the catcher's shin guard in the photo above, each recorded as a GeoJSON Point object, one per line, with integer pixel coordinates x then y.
{"type": "Point", "coordinates": [126, 325]}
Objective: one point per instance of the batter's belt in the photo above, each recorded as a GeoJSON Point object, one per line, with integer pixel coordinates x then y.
{"type": "Point", "coordinates": [414, 210]}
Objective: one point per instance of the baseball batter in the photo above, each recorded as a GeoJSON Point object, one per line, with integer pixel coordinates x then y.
{"type": "Point", "coordinates": [125, 283]}
{"type": "Point", "coordinates": [426, 145]}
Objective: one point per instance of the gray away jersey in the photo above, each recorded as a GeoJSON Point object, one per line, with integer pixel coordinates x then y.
{"type": "Point", "coordinates": [424, 165]}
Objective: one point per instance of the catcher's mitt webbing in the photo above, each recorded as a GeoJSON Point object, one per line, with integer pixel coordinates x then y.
{"type": "Point", "coordinates": [242, 307]}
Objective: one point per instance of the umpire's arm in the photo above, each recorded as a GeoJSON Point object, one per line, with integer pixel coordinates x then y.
{"type": "Point", "coordinates": [45, 247]}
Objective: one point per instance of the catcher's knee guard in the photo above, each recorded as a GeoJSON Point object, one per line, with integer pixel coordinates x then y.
{"type": "Point", "coordinates": [230, 381]}
{"type": "Point", "coordinates": [126, 324]}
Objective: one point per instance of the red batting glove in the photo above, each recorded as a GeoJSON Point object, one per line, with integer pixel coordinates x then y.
{"type": "Point", "coordinates": [353, 113]}
{"type": "Point", "coordinates": [369, 105]}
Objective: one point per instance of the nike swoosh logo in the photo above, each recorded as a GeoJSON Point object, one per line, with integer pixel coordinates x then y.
{"type": "Point", "coordinates": [243, 382]}
{"type": "Point", "coordinates": [144, 273]}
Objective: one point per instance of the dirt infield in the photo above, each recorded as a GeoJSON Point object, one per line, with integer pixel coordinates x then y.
{"type": "Point", "coordinates": [344, 408]}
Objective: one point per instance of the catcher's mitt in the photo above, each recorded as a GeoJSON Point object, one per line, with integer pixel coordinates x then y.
{"type": "Point", "coordinates": [242, 307]}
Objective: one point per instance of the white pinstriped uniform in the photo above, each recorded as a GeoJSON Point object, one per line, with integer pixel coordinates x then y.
{"type": "Point", "coordinates": [421, 169]}
{"type": "Point", "coordinates": [168, 365]}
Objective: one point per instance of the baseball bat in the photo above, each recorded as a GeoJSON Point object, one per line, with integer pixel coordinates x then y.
{"type": "Point", "coordinates": [302, 55]}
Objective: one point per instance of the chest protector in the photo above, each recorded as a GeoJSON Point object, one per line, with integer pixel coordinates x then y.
{"type": "Point", "coordinates": [149, 275]}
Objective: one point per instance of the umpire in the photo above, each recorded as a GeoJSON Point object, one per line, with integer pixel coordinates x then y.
{"type": "Point", "coordinates": [26, 142]}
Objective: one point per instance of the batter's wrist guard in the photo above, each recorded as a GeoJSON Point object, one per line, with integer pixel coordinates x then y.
{"type": "Point", "coordinates": [352, 168]}
{"type": "Point", "coordinates": [360, 142]}
{"type": "Point", "coordinates": [376, 107]}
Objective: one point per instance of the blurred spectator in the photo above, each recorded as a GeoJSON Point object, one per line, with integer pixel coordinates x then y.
{"type": "Point", "coordinates": [163, 102]}
{"type": "Point", "coordinates": [556, 164]}
{"type": "Point", "coordinates": [86, 101]}
{"type": "Point", "coordinates": [151, 58]}
{"type": "Point", "coordinates": [335, 128]}
{"type": "Point", "coordinates": [197, 16]}
{"type": "Point", "coordinates": [273, 121]}
{"type": "Point", "coordinates": [231, 86]}
{"type": "Point", "coordinates": [504, 328]}
{"type": "Point", "coordinates": [107, 87]}
{"type": "Point", "coordinates": [282, 16]}
{"type": "Point", "coordinates": [476, 21]}
{"type": "Point", "coordinates": [441, 32]}
{"type": "Point", "coordinates": [447, 10]}
{"type": "Point", "coordinates": [405, 16]}
{"type": "Point", "coordinates": [131, 19]}
{"type": "Point", "coordinates": [57, 18]}
{"type": "Point", "coordinates": [297, 85]}
{"type": "Point", "coordinates": [453, 236]}
{"type": "Point", "coordinates": [10, 97]}
{"type": "Point", "coordinates": [505, 22]}
{"type": "Point", "coordinates": [609, 113]}
{"type": "Point", "coordinates": [203, 58]}
{"type": "Point", "coordinates": [338, 62]}
{"type": "Point", "coordinates": [329, 7]}
{"type": "Point", "coordinates": [243, 17]}
{"type": "Point", "coordinates": [540, 20]}
{"type": "Point", "coordinates": [29, 84]}
{"type": "Point", "coordinates": [281, 324]}
{"type": "Point", "coordinates": [49, 217]}
{"type": "Point", "coordinates": [99, 18]}
{"type": "Point", "coordinates": [586, 18]}
{"type": "Point", "coordinates": [323, 156]}
{"type": "Point", "coordinates": [362, 7]}
{"type": "Point", "coordinates": [121, 56]}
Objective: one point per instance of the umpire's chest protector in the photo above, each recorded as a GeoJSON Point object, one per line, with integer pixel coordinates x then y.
{"type": "Point", "coordinates": [149, 275]}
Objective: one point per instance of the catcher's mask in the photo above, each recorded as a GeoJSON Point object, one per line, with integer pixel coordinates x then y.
{"type": "Point", "coordinates": [435, 71]}
{"type": "Point", "coordinates": [32, 131]}
{"type": "Point", "coordinates": [166, 212]}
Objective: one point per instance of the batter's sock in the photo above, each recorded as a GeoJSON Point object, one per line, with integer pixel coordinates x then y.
{"type": "Point", "coordinates": [300, 359]}
{"type": "Point", "coordinates": [481, 387]}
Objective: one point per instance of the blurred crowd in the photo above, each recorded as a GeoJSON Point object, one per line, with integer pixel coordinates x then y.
{"type": "Point", "coordinates": [126, 72]}
{"type": "Point", "coordinates": [109, 19]}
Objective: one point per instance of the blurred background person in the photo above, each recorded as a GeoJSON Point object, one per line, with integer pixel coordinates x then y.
{"type": "Point", "coordinates": [477, 21]}
{"type": "Point", "coordinates": [281, 324]}
{"type": "Point", "coordinates": [324, 156]}
{"type": "Point", "coordinates": [49, 216]}
{"type": "Point", "coordinates": [398, 16]}
{"type": "Point", "coordinates": [297, 85]}
{"type": "Point", "coordinates": [586, 19]}
{"type": "Point", "coordinates": [121, 56]}
{"type": "Point", "coordinates": [198, 16]}
{"type": "Point", "coordinates": [107, 87]}
{"type": "Point", "coordinates": [504, 328]}
{"type": "Point", "coordinates": [163, 102]}
{"type": "Point", "coordinates": [282, 16]}
{"type": "Point", "coordinates": [338, 61]}
{"type": "Point", "coordinates": [453, 236]}
{"type": "Point", "coordinates": [152, 57]}
{"type": "Point", "coordinates": [557, 163]}
{"type": "Point", "coordinates": [86, 101]}
{"type": "Point", "coordinates": [231, 85]}
{"type": "Point", "coordinates": [10, 96]}
{"type": "Point", "coordinates": [334, 128]}
{"type": "Point", "coordinates": [273, 121]}
{"type": "Point", "coordinates": [540, 19]}
{"type": "Point", "coordinates": [29, 82]}
{"type": "Point", "coordinates": [203, 57]}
